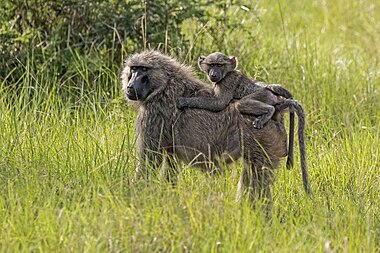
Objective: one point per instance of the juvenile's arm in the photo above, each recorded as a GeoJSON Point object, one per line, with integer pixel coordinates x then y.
{"type": "Point", "coordinates": [215, 103]}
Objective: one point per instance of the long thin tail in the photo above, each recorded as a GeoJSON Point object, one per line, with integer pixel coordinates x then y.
{"type": "Point", "coordinates": [301, 138]}
{"type": "Point", "coordinates": [283, 92]}
{"type": "Point", "coordinates": [302, 145]}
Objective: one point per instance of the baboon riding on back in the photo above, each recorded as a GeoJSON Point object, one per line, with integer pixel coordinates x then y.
{"type": "Point", "coordinates": [154, 82]}
{"type": "Point", "coordinates": [261, 100]}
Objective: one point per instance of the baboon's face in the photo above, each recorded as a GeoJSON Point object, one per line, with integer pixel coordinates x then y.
{"type": "Point", "coordinates": [217, 65]}
{"type": "Point", "coordinates": [138, 87]}
{"type": "Point", "coordinates": [215, 72]}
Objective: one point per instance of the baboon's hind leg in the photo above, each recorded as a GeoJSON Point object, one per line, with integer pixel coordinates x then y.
{"type": "Point", "coordinates": [261, 179]}
{"type": "Point", "coordinates": [262, 111]}
{"type": "Point", "coordinates": [256, 181]}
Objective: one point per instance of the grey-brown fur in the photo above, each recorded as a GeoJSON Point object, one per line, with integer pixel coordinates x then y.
{"type": "Point", "coordinates": [199, 137]}
{"type": "Point", "coordinates": [253, 98]}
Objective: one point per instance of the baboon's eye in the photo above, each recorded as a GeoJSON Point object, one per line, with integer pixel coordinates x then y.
{"type": "Point", "coordinates": [219, 65]}
{"type": "Point", "coordinates": [133, 68]}
{"type": "Point", "coordinates": [144, 69]}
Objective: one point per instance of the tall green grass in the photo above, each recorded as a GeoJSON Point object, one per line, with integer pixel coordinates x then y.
{"type": "Point", "coordinates": [67, 151]}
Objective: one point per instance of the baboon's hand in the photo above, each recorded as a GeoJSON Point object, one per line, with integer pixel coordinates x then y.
{"type": "Point", "coordinates": [181, 102]}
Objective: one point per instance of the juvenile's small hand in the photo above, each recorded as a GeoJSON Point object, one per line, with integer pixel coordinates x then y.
{"type": "Point", "coordinates": [181, 102]}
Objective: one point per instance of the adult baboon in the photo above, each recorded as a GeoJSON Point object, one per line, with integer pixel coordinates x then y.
{"type": "Point", "coordinates": [200, 137]}
{"type": "Point", "coordinates": [254, 98]}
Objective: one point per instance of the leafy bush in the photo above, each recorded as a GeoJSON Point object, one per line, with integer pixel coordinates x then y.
{"type": "Point", "coordinates": [98, 31]}
{"type": "Point", "coordinates": [77, 41]}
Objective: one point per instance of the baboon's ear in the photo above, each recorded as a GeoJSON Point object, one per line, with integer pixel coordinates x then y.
{"type": "Point", "coordinates": [200, 61]}
{"type": "Point", "coordinates": [234, 62]}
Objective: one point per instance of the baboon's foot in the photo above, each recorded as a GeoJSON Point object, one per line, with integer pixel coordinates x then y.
{"type": "Point", "coordinates": [258, 123]}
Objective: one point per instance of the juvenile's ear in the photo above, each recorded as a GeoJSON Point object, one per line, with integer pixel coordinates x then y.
{"type": "Point", "coordinates": [200, 61]}
{"type": "Point", "coordinates": [234, 62]}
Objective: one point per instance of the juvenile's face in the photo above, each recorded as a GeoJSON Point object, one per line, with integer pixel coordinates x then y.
{"type": "Point", "coordinates": [215, 72]}
{"type": "Point", "coordinates": [217, 65]}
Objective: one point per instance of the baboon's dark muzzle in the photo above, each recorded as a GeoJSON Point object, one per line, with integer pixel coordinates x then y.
{"type": "Point", "coordinates": [131, 93]}
{"type": "Point", "coordinates": [138, 86]}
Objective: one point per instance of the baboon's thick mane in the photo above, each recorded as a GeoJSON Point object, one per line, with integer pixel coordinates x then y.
{"type": "Point", "coordinates": [156, 60]}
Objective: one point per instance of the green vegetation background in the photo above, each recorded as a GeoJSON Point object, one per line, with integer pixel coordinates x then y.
{"type": "Point", "coordinates": [66, 134]}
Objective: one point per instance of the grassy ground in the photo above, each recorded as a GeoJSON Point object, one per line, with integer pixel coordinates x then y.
{"type": "Point", "coordinates": [66, 169]}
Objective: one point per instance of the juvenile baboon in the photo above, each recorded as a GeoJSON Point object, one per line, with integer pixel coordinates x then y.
{"type": "Point", "coordinates": [254, 98]}
{"type": "Point", "coordinates": [200, 137]}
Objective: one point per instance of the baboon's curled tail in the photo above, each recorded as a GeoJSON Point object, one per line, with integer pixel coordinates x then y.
{"type": "Point", "coordinates": [294, 105]}
{"type": "Point", "coordinates": [281, 91]}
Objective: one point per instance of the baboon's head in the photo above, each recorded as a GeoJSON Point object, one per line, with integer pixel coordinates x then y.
{"type": "Point", "coordinates": [146, 74]}
{"type": "Point", "coordinates": [217, 65]}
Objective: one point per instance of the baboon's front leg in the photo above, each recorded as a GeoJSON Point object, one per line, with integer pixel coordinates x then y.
{"type": "Point", "coordinates": [169, 170]}
{"type": "Point", "coordinates": [149, 162]}
{"type": "Point", "coordinates": [244, 182]}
